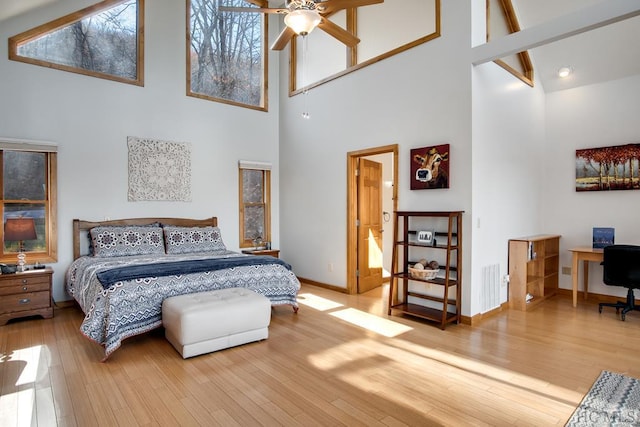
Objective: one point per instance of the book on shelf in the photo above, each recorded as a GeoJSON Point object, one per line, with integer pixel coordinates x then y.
{"type": "Point", "coordinates": [603, 236]}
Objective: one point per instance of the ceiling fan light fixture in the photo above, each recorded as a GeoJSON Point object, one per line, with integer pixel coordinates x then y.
{"type": "Point", "coordinates": [302, 21]}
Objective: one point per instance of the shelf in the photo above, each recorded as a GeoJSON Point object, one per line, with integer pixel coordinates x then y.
{"type": "Point", "coordinates": [437, 281]}
{"type": "Point", "coordinates": [419, 245]}
{"type": "Point", "coordinates": [430, 298]}
{"type": "Point", "coordinates": [538, 276]}
{"type": "Point", "coordinates": [436, 233]}
{"type": "Point", "coordinates": [447, 228]}
{"type": "Point", "coordinates": [427, 313]}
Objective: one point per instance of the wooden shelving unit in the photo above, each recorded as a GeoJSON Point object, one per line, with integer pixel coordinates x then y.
{"type": "Point", "coordinates": [533, 270]}
{"type": "Point", "coordinates": [436, 299]}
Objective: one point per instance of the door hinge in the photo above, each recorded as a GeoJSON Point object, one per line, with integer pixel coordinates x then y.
{"type": "Point", "coordinates": [357, 223]}
{"type": "Point", "coordinates": [357, 172]}
{"type": "Point", "coordinates": [357, 273]}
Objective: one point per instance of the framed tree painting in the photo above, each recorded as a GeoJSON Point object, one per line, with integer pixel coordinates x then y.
{"type": "Point", "coordinates": [608, 168]}
{"type": "Point", "coordinates": [430, 167]}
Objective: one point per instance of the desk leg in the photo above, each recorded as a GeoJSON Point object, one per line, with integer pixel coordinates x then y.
{"type": "Point", "coordinates": [586, 278]}
{"type": "Point", "coordinates": [574, 278]}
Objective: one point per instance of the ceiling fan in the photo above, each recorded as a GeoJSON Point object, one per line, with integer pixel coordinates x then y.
{"type": "Point", "coordinates": [302, 16]}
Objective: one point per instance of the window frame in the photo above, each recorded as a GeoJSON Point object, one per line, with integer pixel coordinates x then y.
{"type": "Point", "coordinates": [265, 168]}
{"type": "Point", "coordinates": [511, 21]}
{"type": "Point", "coordinates": [51, 200]}
{"type": "Point", "coordinates": [265, 63]}
{"type": "Point", "coordinates": [57, 24]}
{"type": "Point", "coordinates": [351, 59]}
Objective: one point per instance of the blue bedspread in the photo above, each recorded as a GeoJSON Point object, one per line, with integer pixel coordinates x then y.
{"type": "Point", "coordinates": [131, 272]}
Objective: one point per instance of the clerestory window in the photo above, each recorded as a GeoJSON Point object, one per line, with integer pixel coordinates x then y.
{"type": "Point", "coordinates": [105, 40]}
{"type": "Point", "coordinates": [226, 54]}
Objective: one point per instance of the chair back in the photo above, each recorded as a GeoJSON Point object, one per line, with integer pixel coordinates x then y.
{"type": "Point", "coordinates": [621, 266]}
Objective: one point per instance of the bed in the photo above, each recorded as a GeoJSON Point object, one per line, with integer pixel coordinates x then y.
{"type": "Point", "coordinates": [124, 269]}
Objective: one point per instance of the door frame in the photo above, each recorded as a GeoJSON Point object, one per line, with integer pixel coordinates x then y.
{"type": "Point", "coordinates": [352, 205]}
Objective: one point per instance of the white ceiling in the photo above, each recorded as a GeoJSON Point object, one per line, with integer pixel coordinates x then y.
{"type": "Point", "coordinates": [606, 53]}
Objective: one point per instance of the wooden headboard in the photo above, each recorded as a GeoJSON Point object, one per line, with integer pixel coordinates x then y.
{"type": "Point", "coordinates": [81, 227]}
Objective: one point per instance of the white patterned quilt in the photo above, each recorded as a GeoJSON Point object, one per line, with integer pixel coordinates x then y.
{"type": "Point", "coordinates": [133, 307]}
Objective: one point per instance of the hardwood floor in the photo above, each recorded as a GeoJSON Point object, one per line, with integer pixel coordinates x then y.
{"type": "Point", "coordinates": [339, 361]}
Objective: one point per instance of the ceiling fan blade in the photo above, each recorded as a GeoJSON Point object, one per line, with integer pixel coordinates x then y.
{"type": "Point", "coordinates": [253, 9]}
{"type": "Point", "coordinates": [285, 36]}
{"type": "Point", "coordinates": [330, 6]}
{"type": "Point", "coordinates": [338, 32]}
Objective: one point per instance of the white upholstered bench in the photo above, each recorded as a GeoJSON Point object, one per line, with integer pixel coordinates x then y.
{"type": "Point", "coordinates": [209, 321]}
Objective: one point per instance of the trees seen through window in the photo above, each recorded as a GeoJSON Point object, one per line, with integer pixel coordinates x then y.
{"type": "Point", "coordinates": [103, 40]}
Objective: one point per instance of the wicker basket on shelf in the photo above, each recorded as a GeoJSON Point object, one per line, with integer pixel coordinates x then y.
{"type": "Point", "coordinates": [424, 274]}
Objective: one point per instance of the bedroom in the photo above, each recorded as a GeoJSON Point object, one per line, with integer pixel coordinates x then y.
{"type": "Point", "coordinates": [466, 110]}
{"type": "Point", "coordinates": [434, 97]}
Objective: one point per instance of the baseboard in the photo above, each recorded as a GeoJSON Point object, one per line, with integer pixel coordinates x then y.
{"type": "Point", "coordinates": [475, 319]}
{"type": "Point", "coordinates": [323, 285]}
{"type": "Point", "coordinates": [593, 297]}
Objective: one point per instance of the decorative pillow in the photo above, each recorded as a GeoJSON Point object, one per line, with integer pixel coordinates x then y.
{"type": "Point", "coordinates": [151, 224]}
{"type": "Point", "coordinates": [184, 240]}
{"type": "Point", "coordinates": [110, 241]}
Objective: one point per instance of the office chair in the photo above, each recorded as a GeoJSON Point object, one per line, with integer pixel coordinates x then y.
{"type": "Point", "coordinates": [622, 268]}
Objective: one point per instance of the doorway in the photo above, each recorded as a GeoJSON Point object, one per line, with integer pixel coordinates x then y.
{"type": "Point", "coordinates": [365, 222]}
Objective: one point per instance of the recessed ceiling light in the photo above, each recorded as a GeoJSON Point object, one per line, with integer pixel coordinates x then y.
{"type": "Point", "coordinates": [564, 72]}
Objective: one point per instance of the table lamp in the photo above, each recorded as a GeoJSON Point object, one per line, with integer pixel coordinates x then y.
{"type": "Point", "coordinates": [19, 229]}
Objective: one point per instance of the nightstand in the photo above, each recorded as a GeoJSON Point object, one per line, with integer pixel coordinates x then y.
{"type": "Point", "coordinates": [271, 252]}
{"type": "Point", "coordinates": [25, 294]}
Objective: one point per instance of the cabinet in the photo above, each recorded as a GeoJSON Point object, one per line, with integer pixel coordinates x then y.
{"type": "Point", "coordinates": [533, 270]}
{"type": "Point", "coordinates": [432, 236]}
{"type": "Point", "coordinates": [25, 294]}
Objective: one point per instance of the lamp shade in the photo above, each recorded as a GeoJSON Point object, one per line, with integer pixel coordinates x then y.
{"type": "Point", "coordinates": [17, 229]}
{"type": "Point", "coordinates": [302, 21]}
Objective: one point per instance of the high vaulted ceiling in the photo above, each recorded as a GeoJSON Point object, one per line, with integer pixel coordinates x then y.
{"type": "Point", "coordinates": [605, 53]}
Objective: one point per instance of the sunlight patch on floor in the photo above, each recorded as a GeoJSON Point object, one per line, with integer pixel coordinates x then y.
{"type": "Point", "coordinates": [16, 409]}
{"type": "Point", "coordinates": [459, 369]}
{"type": "Point", "coordinates": [319, 303]}
{"type": "Point", "coordinates": [31, 358]}
{"type": "Point", "coordinates": [464, 366]}
{"type": "Point", "coordinates": [371, 322]}
{"type": "Point", "coordinates": [337, 356]}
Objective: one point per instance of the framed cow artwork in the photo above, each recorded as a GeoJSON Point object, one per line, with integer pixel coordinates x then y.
{"type": "Point", "coordinates": [430, 167]}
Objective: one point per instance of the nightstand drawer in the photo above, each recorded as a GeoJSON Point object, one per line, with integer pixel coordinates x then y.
{"type": "Point", "coordinates": [22, 279]}
{"type": "Point", "coordinates": [25, 301]}
{"type": "Point", "coordinates": [32, 286]}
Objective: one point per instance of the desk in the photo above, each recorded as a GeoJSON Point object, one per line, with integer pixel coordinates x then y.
{"type": "Point", "coordinates": [584, 254]}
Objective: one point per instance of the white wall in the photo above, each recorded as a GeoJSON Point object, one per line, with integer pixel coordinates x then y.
{"type": "Point", "coordinates": [508, 164]}
{"type": "Point", "coordinates": [591, 116]}
{"type": "Point", "coordinates": [90, 120]}
{"type": "Point", "coordinates": [418, 98]}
